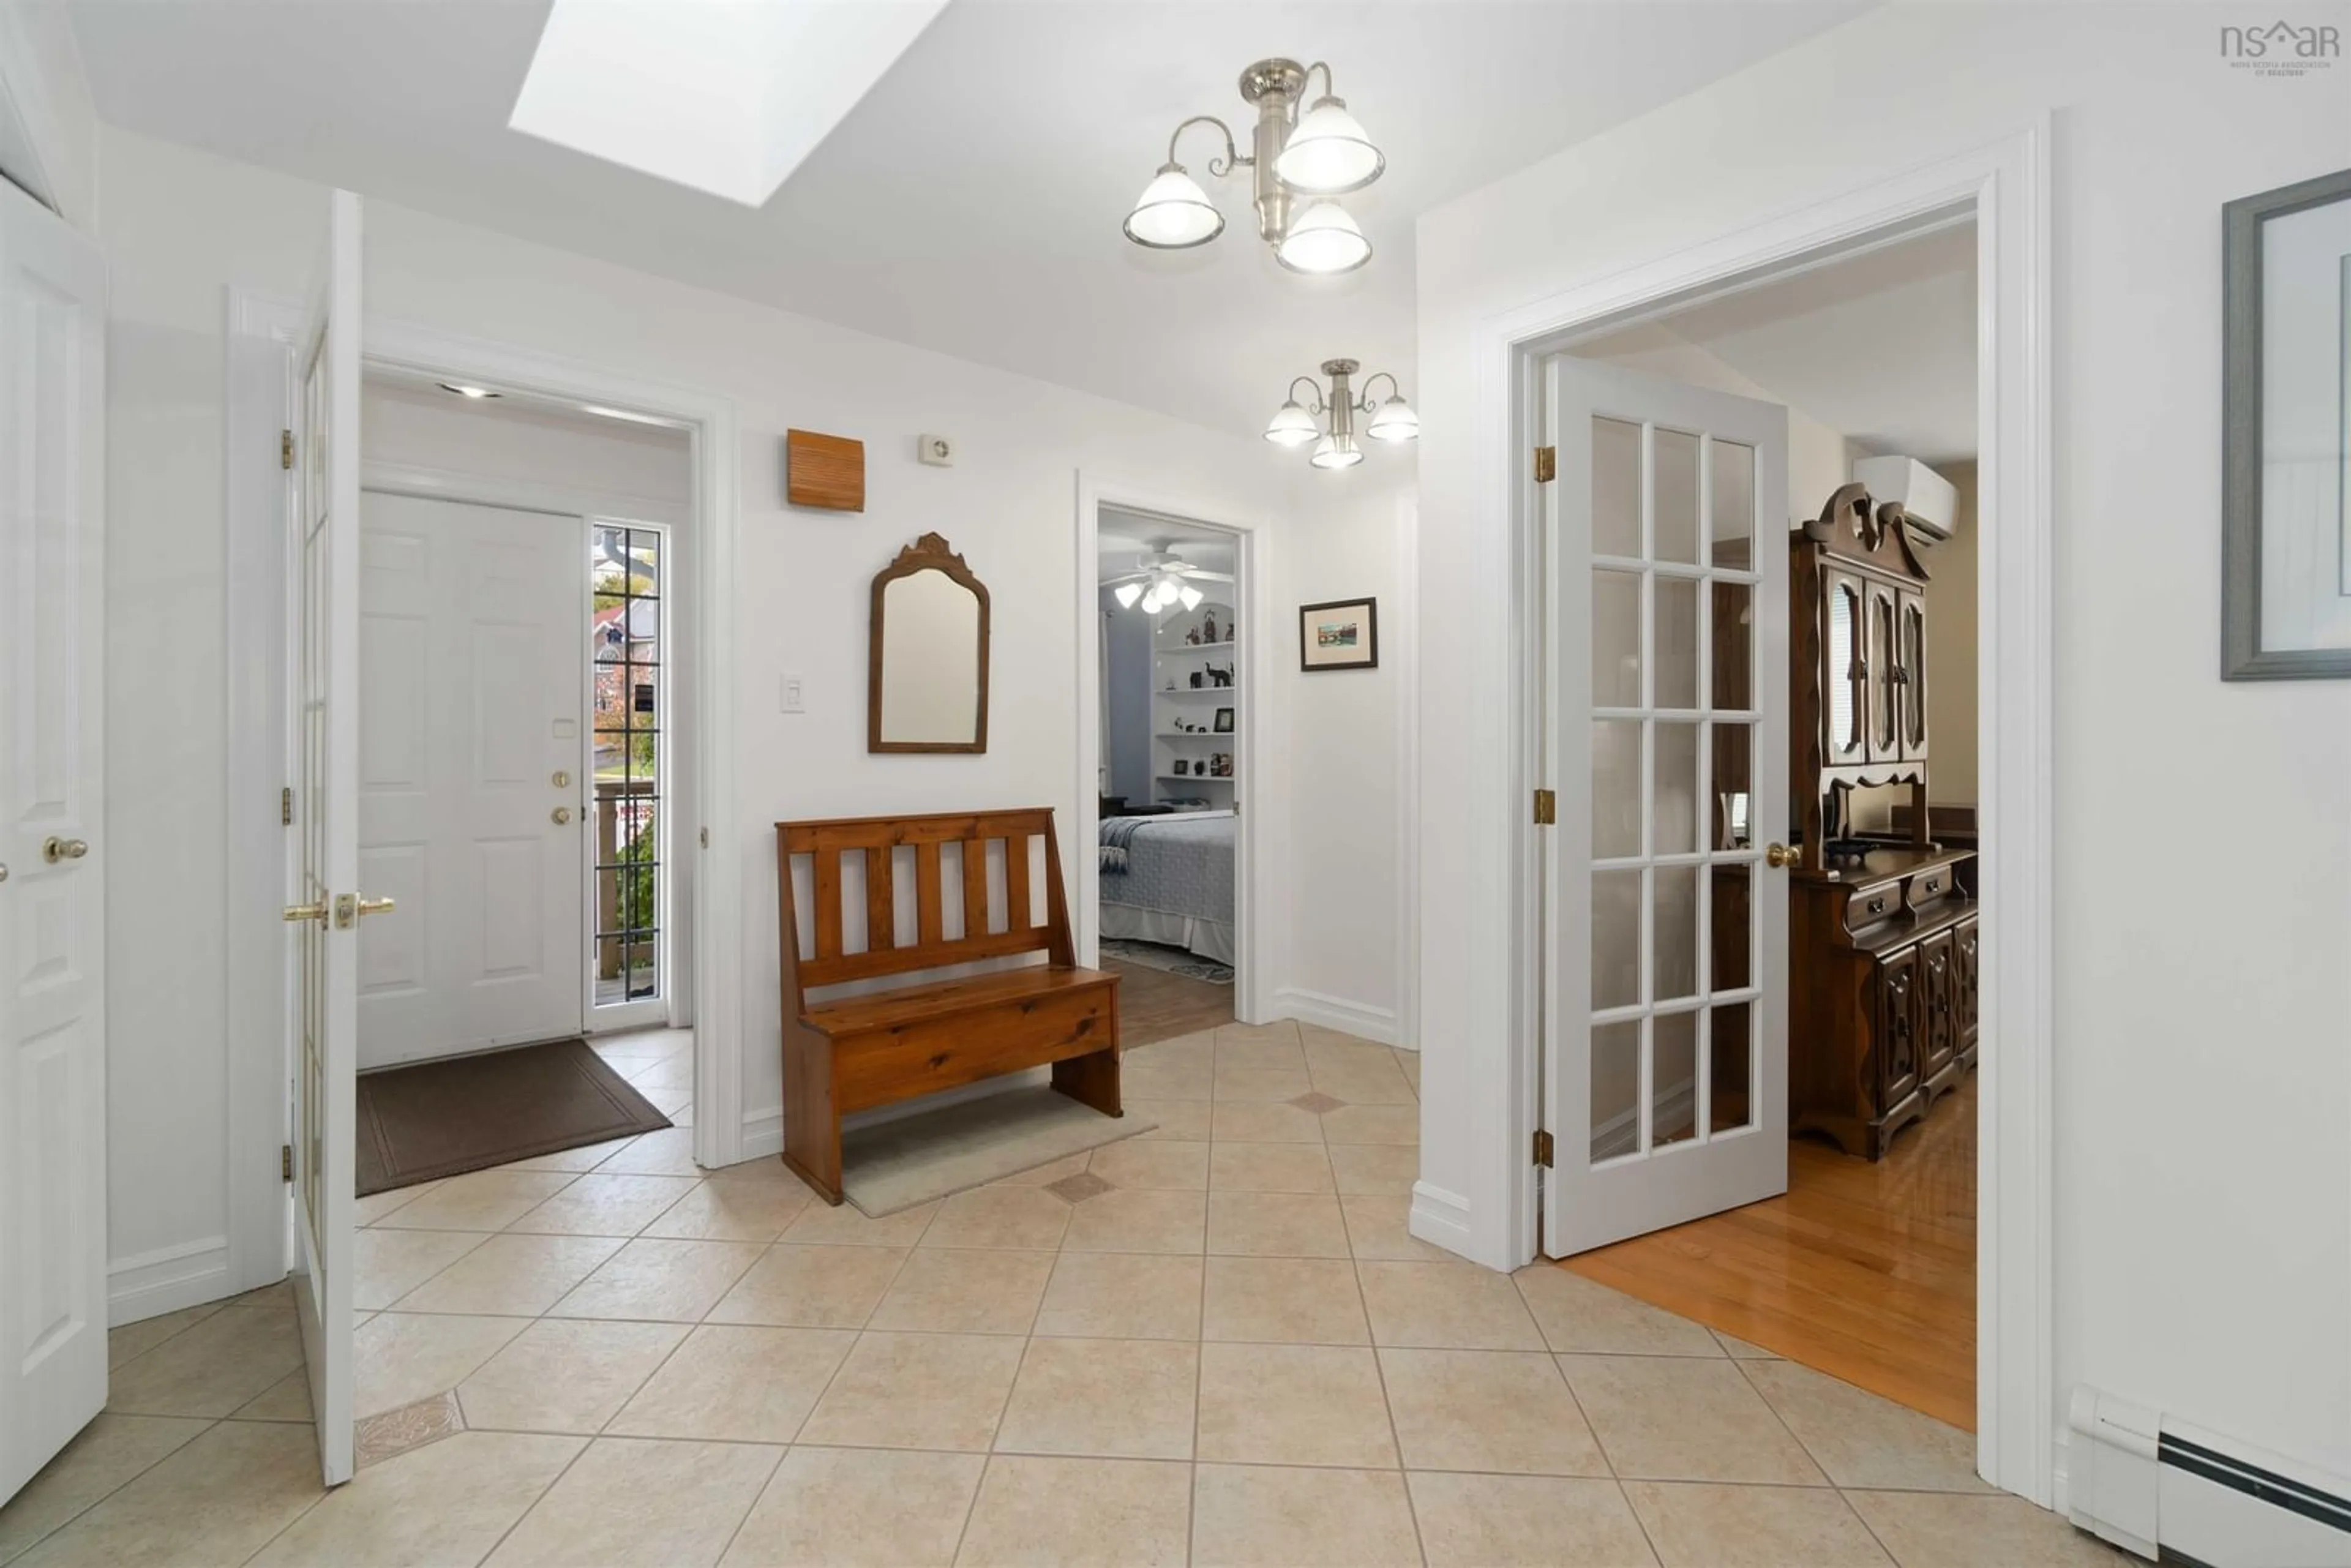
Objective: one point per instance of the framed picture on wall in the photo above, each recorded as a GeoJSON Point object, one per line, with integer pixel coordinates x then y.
{"type": "Point", "coordinates": [1344, 634]}
{"type": "Point", "coordinates": [1224, 721]}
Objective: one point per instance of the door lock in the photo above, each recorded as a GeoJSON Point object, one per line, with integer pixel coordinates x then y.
{"type": "Point", "coordinates": [298, 911]}
{"type": "Point", "coordinates": [1782, 855]}
{"type": "Point", "coordinates": [563, 780]}
{"type": "Point", "coordinates": [55, 849]}
{"type": "Point", "coordinates": [560, 815]}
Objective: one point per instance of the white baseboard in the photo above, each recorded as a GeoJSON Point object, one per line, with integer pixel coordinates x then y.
{"type": "Point", "coordinates": [1441, 1218]}
{"type": "Point", "coordinates": [149, 1284]}
{"type": "Point", "coordinates": [1359, 1018]}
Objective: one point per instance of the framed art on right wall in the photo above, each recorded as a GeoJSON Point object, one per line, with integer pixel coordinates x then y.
{"type": "Point", "coordinates": [2286, 481]}
{"type": "Point", "coordinates": [1344, 634]}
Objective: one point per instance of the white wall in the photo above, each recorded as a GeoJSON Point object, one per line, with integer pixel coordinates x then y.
{"type": "Point", "coordinates": [2203, 1153]}
{"type": "Point", "coordinates": [179, 227]}
{"type": "Point", "coordinates": [49, 125]}
{"type": "Point", "coordinates": [605, 462]}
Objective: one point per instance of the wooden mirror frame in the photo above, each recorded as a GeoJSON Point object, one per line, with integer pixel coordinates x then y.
{"type": "Point", "coordinates": [929, 553]}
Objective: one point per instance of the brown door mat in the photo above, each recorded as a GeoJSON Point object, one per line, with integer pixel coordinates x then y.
{"type": "Point", "coordinates": [440, 1119]}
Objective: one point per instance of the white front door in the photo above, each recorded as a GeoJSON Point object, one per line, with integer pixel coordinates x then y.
{"type": "Point", "coordinates": [473, 676]}
{"type": "Point", "coordinates": [1666, 1062]}
{"type": "Point", "coordinates": [324, 1023]}
{"type": "Point", "coordinates": [53, 1308]}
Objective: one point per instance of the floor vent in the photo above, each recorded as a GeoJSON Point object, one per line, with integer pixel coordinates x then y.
{"type": "Point", "coordinates": [2157, 1486]}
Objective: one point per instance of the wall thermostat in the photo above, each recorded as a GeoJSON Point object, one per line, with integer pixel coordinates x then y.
{"type": "Point", "coordinates": [936, 450]}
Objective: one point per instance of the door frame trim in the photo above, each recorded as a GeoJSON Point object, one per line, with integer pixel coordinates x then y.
{"type": "Point", "coordinates": [2005, 186]}
{"type": "Point", "coordinates": [710, 995]}
{"type": "Point", "coordinates": [1260, 786]}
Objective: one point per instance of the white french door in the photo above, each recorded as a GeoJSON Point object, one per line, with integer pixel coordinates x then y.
{"type": "Point", "coordinates": [53, 1306]}
{"type": "Point", "coordinates": [324, 999]}
{"type": "Point", "coordinates": [473, 622]}
{"type": "Point", "coordinates": [1665, 1059]}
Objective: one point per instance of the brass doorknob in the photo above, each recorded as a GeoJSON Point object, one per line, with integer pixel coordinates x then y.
{"type": "Point", "coordinates": [1782, 855]}
{"type": "Point", "coordinates": [375, 907]}
{"type": "Point", "coordinates": [55, 849]}
{"type": "Point", "coordinates": [561, 814]}
{"type": "Point", "coordinates": [294, 911]}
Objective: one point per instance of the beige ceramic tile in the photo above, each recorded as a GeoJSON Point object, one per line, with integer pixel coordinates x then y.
{"type": "Point", "coordinates": [1862, 1441]}
{"type": "Point", "coordinates": [1576, 1314]}
{"type": "Point", "coordinates": [1928, 1530]}
{"type": "Point", "coordinates": [1409, 1061]}
{"type": "Point", "coordinates": [1006, 1216]}
{"type": "Point", "coordinates": [676, 1280]}
{"type": "Point", "coordinates": [1290, 1301]}
{"type": "Point", "coordinates": [388, 1434]}
{"type": "Point", "coordinates": [1738, 1349]}
{"type": "Point", "coordinates": [1110, 1399]}
{"type": "Point", "coordinates": [1124, 1221]}
{"type": "Point", "coordinates": [1276, 1224]}
{"type": "Point", "coordinates": [1292, 1405]}
{"type": "Point", "coordinates": [510, 1275]}
{"type": "Point", "coordinates": [139, 1338]}
{"type": "Point", "coordinates": [1526, 1522]}
{"type": "Point", "coordinates": [578, 1160]}
{"type": "Point", "coordinates": [287, 1399]}
{"type": "Point", "coordinates": [375, 1208]}
{"type": "Point", "coordinates": [483, 1200]}
{"type": "Point", "coordinates": [446, 1502]}
{"type": "Point", "coordinates": [667, 1152]}
{"type": "Point", "coordinates": [218, 1498]}
{"type": "Point", "coordinates": [1503, 1411]}
{"type": "Point", "coordinates": [1265, 1122]}
{"type": "Point", "coordinates": [1122, 1295]}
{"type": "Point", "coordinates": [629, 1501]}
{"type": "Point", "coordinates": [674, 1073]}
{"type": "Point", "coordinates": [1669, 1419]}
{"type": "Point", "coordinates": [859, 1508]}
{"type": "Point", "coordinates": [402, 1357]}
{"type": "Point", "coordinates": [677, 1104]}
{"type": "Point", "coordinates": [1194, 1049]}
{"type": "Point", "coordinates": [210, 1368]}
{"type": "Point", "coordinates": [1389, 1168]}
{"type": "Point", "coordinates": [106, 1455]}
{"type": "Point", "coordinates": [1315, 1037]}
{"type": "Point", "coordinates": [1054, 1170]}
{"type": "Point", "coordinates": [811, 1287]}
{"type": "Point", "coordinates": [1260, 1083]}
{"type": "Point", "coordinates": [844, 1225]}
{"type": "Point", "coordinates": [1176, 1121]}
{"type": "Point", "coordinates": [1166, 1079]}
{"type": "Point", "coordinates": [1377, 1231]}
{"type": "Point", "coordinates": [1285, 1030]}
{"type": "Point", "coordinates": [1246, 1516]}
{"type": "Point", "coordinates": [1270, 1167]}
{"type": "Point", "coordinates": [388, 1264]}
{"type": "Point", "coordinates": [1374, 1079]}
{"type": "Point", "coordinates": [1153, 1165]}
{"type": "Point", "coordinates": [605, 1204]}
{"type": "Point", "coordinates": [565, 1375]}
{"type": "Point", "coordinates": [952, 1291]}
{"type": "Point", "coordinates": [1695, 1526]}
{"type": "Point", "coordinates": [1446, 1306]}
{"type": "Point", "coordinates": [1261, 1056]}
{"type": "Point", "coordinates": [917, 1390]}
{"type": "Point", "coordinates": [1066, 1512]}
{"type": "Point", "coordinates": [736, 1385]}
{"type": "Point", "coordinates": [1391, 1125]}
{"type": "Point", "coordinates": [728, 1208]}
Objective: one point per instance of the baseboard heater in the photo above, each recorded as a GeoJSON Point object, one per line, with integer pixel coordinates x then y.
{"type": "Point", "coordinates": [2160, 1487]}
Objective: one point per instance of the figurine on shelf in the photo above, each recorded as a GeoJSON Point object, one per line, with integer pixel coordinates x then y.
{"type": "Point", "coordinates": [1196, 681]}
{"type": "Point", "coordinates": [1193, 636]}
{"type": "Point", "coordinates": [1208, 627]}
{"type": "Point", "coordinates": [1223, 677]}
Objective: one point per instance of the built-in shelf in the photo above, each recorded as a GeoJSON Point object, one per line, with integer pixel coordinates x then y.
{"type": "Point", "coordinates": [1196, 777]}
{"type": "Point", "coordinates": [1193, 647]}
{"type": "Point", "coordinates": [1192, 734]}
{"type": "Point", "coordinates": [1227, 693]}
{"type": "Point", "coordinates": [1169, 744]}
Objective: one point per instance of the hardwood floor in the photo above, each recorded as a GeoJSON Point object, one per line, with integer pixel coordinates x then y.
{"type": "Point", "coordinates": [1865, 1271]}
{"type": "Point", "coordinates": [1156, 1005]}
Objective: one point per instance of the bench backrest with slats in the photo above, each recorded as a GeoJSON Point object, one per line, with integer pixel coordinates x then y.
{"type": "Point", "coordinates": [876, 841]}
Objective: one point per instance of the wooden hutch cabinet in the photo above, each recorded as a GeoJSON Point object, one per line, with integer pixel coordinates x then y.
{"type": "Point", "coordinates": [1883, 931]}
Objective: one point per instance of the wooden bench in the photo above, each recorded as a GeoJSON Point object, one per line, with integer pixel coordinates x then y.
{"type": "Point", "coordinates": [881, 1047]}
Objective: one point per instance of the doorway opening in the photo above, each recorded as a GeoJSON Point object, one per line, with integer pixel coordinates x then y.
{"type": "Point", "coordinates": [1863, 1262]}
{"type": "Point", "coordinates": [1172, 776]}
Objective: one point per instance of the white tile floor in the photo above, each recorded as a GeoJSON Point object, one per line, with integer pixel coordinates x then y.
{"type": "Point", "coordinates": [1215, 1344]}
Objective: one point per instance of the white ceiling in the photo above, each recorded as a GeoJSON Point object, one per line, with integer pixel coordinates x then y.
{"type": "Point", "coordinates": [971, 202]}
{"type": "Point", "coordinates": [1127, 535]}
{"type": "Point", "coordinates": [1880, 347]}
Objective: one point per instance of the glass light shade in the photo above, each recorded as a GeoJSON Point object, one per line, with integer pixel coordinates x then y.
{"type": "Point", "coordinates": [1293, 425]}
{"type": "Point", "coordinates": [1173, 213]}
{"type": "Point", "coordinates": [1336, 452]}
{"type": "Point", "coordinates": [1396, 421]}
{"type": "Point", "coordinates": [1323, 239]}
{"type": "Point", "coordinates": [1328, 153]}
{"type": "Point", "coordinates": [1189, 595]}
{"type": "Point", "coordinates": [1151, 599]}
{"type": "Point", "coordinates": [1127, 594]}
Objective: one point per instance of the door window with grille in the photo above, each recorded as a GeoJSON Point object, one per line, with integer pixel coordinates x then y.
{"type": "Point", "coordinates": [631, 697]}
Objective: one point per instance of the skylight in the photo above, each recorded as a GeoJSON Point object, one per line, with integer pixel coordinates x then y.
{"type": "Point", "coordinates": [725, 96]}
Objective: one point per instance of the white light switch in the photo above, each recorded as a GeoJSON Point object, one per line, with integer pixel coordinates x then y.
{"type": "Point", "coordinates": [792, 702]}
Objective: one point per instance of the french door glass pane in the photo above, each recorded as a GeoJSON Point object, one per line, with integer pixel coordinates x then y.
{"type": "Point", "coordinates": [1615, 1090]}
{"type": "Point", "coordinates": [1676, 499]}
{"type": "Point", "coordinates": [1676, 943]}
{"type": "Point", "coordinates": [1615, 487]}
{"type": "Point", "coordinates": [1731, 944]}
{"type": "Point", "coordinates": [625, 662]}
{"type": "Point", "coordinates": [1676, 799]}
{"type": "Point", "coordinates": [1615, 789]}
{"type": "Point", "coordinates": [1673, 1088]}
{"type": "Point", "coordinates": [1731, 1104]}
{"type": "Point", "coordinates": [1732, 487]}
{"type": "Point", "coordinates": [1677, 643]}
{"type": "Point", "coordinates": [1615, 939]}
{"type": "Point", "coordinates": [1734, 645]}
{"type": "Point", "coordinates": [1616, 639]}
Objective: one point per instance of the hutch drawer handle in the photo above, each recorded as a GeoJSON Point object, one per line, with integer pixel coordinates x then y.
{"type": "Point", "coordinates": [1877, 906]}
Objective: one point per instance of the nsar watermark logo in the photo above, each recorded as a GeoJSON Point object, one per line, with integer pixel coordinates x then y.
{"type": "Point", "coordinates": [2281, 48]}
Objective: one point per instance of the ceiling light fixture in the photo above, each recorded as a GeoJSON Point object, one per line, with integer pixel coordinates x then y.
{"type": "Point", "coordinates": [1319, 154]}
{"type": "Point", "coordinates": [1293, 422]}
{"type": "Point", "coordinates": [1161, 580]}
{"type": "Point", "coordinates": [462, 389]}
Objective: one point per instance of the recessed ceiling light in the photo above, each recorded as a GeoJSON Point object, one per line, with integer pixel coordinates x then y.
{"type": "Point", "coordinates": [461, 390]}
{"type": "Point", "coordinates": [603, 412]}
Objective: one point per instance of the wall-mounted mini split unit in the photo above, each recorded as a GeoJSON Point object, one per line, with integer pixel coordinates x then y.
{"type": "Point", "coordinates": [2155, 1485]}
{"type": "Point", "coordinates": [1931, 500]}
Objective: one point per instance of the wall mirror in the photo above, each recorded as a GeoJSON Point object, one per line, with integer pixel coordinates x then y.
{"type": "Point", "coordinates": [926, 672]}
{"type": "Point", "coordinates": [2286, 415]}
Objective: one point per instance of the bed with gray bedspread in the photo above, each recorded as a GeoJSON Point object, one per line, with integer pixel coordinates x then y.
{"type": "Point", "coordinates": [1177, 885]}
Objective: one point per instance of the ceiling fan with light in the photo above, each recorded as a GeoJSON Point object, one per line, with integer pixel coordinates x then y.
{"type": "Point", "coordinates": [1161, 580]}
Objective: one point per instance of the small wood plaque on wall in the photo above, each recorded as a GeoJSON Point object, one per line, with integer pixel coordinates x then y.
{"type": "Point", "coordinates": [824, 471]}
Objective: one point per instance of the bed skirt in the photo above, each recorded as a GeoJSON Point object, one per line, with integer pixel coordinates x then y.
{"type": "Point", "coordinates": [1209, 939]}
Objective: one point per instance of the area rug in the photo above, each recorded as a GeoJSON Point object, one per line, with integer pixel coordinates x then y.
{"type": "Point", "coordinates": [1173, 960]}
{"type": "Point", "coordinates": [440, 1119]}
{"type": "Point", "coordinates": [937, 1154]}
